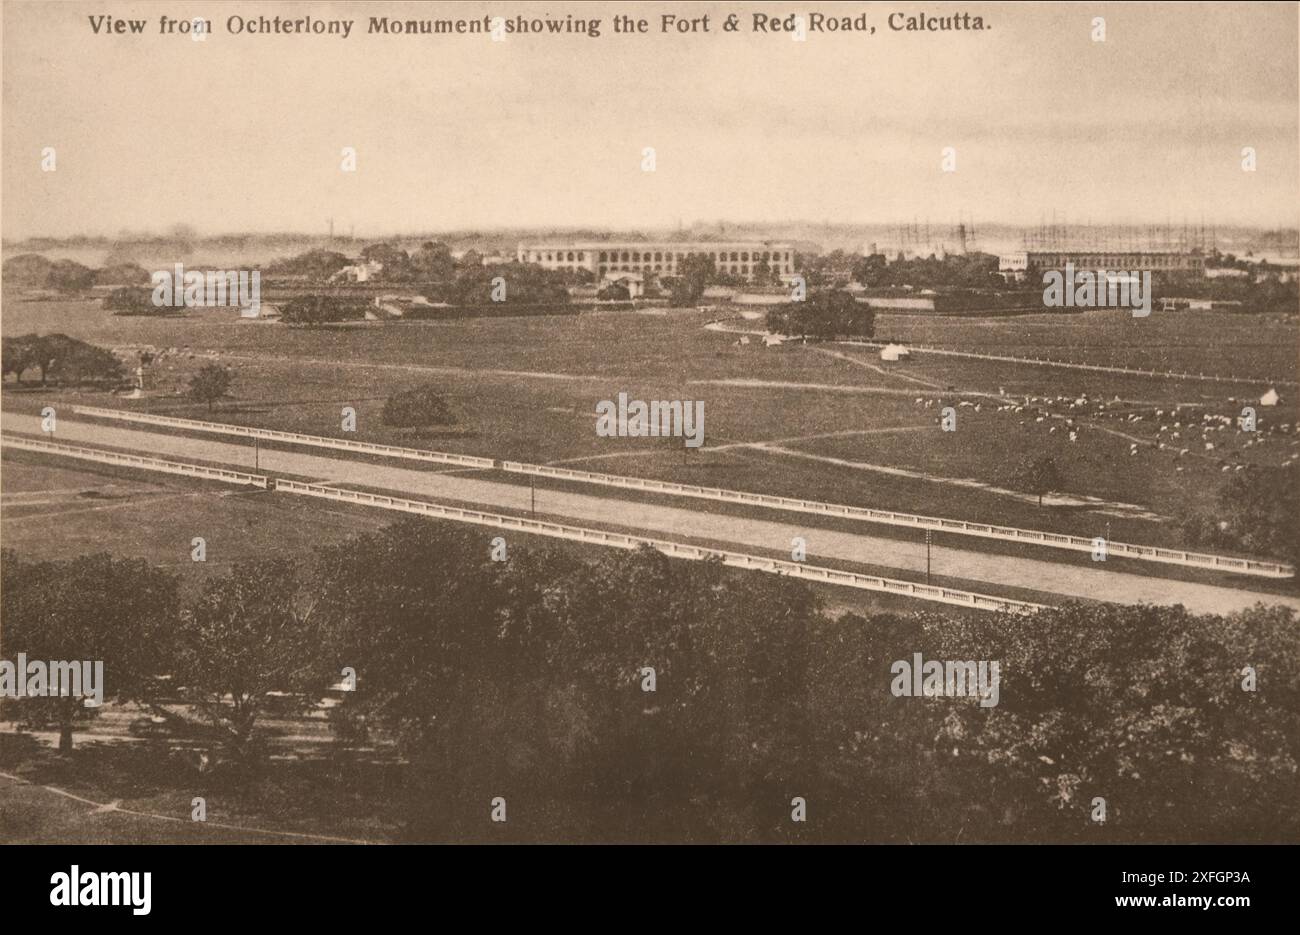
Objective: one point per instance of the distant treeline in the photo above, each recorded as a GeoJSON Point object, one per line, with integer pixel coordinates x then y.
{"type": "Point", "coordinates": [33, 271]}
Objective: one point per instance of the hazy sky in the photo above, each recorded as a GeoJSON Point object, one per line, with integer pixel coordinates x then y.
{"type": "Point", "coordinates": [244, 132]}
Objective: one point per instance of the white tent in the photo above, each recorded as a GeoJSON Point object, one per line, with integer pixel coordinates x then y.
{"type": "Point", "coordinates": [894, 352]}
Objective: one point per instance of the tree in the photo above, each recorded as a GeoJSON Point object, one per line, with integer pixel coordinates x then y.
{"type": "Point", "coordinates": [397, 266]}
{"type": "Point", "coordinates": [1143, 706]}
{"type": "Point", "coordinates": [27, 270]}
{"type": "Point", "coordinates": [96, 608]}
{"type": "Point", "coordinates": [694, 273]}
{"type": "Point", "coordinates": [433, 262]}
{"type": "Point", "coordinates": [46, 350]}
{"type": "Point", "coordinates": [122, 274]}
{"type": "Point", "coordinates": [1037, 475]}
{"type": "Point", "coordinates": [870, 270]}
{"type": "Point", "coordinates": [524, 284]}
{"type": "Point", "coordinates": [79, 363]}
{"type": "Point", "coordinates": [824, 314]}
{"type": "Point", "coordinates": [417, 407]}
{"type": "Point", "coordinates": [250, 633]}
{"type": "Point", "coordinates": [18, 355]}
{"type": "Point", "coordinates": [613, 292]}
{"type": "Point", "coordinates": [1254, 512]}
{"type": "Point", "coordinates": [210, 384]}
{"type": "Point", "coordinates": [414, 611]}
{"type": "Point", "coordinates": [70, 276]}
{"type": "Point", "coordinates": [62, 358]}
{"type": "Point", "coordinates": [322, 309]}
{"type": "Point", "coordinates": [764, 274]}
{"type": "Point", "coordinates": [133, 300]}
{"type": "Point", "coordinates": [314, 264]}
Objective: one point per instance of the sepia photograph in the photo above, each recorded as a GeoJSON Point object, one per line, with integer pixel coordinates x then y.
{"type": "Point", "coordinates": [650, 423]}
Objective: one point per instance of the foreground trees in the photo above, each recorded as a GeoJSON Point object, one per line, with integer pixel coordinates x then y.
{"type": "Point", "coordinates": [625, 695]}
{"type": "Point", "coordinates": [118, 612]}
{"type": "Point", "coordinates": [250, 633]}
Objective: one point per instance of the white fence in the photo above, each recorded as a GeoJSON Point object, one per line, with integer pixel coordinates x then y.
{"type": "Point", "coordinates": [129, 460]}
{"type": "Point", "coordinates": [1147, 553]}
{"type": "Point", "coordinates": [674, 549]}
{"type": "Point", "coordinates": [554, 530]}
{"type": "Point", "coordinates": [318, 441]}
{"type": "Point", "coordinates": [892, 518]}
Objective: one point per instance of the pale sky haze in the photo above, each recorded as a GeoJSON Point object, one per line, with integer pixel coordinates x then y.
{"type": "Point", "coordinates": [244, 133]}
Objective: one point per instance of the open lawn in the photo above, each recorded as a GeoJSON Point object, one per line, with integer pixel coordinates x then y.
{"type": "Point", "coordinates": [816, 421]}
{"type": "Point", "coordinates": [1228, 344]}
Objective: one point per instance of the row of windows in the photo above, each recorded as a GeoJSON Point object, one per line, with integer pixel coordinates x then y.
{"type": "Point", "coordinates": [743, 268]}
{"type": "Point", "coordinates": [633, 256]}
{"type": "Point", "coordinates": [717, 257]}
{"type": "Point", "coordinates": [1147, 260]}
{"type": "Point", "coordinates": [561, 257]}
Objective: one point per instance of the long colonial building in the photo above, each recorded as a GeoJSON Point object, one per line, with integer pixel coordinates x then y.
{"type": "Point", "coordinates": [1036, 261]}
{"type": "Point", "coordinates": [739, 258]}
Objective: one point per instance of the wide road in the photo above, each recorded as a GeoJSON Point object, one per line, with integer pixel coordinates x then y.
{"type": "Point", "coordinates": [1080, 577]}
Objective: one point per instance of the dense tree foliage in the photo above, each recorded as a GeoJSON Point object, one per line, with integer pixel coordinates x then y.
{"type": "Point", "coordinates": [966, 271]}
{"type": "Point", "coordinates": [249, 634]}
{"type": "Point", "coordinates": [1254, 512]}
{"type": "Point", "coordinates": [695, 272]}
{"type": "Point", "coordinates": [95, 608]}
{"type": "Point", "coordinates": [826, 315]}
{"type": "Point", "coordinates": [322, 309]}
{"type": "Point", "coordinates": [417, 407]}
{"type": "Point", "coordinates": [631, 696]}
{"type": "Point", "coordinates": [503, 284]}
{"type": "Point", "coordinates": [61, 359]}
{"type": "Point", "coordinates": [314, 264]}
{"type": "Point", "coordinates": [136, 300]}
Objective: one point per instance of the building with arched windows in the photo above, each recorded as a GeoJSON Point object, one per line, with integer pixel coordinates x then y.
{"type": "Point", "coordinates": [1031, 262]}
{"type": "Point", "coordinates": [740, 258]}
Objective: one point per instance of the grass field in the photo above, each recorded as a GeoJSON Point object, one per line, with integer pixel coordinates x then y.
{"type": "Point", "coordinates": [51, 508]}
{"type": "Point", "coordinates": [1258, 346]}
{"type": "Point", "coordinates": [852, 431]}
{"type": "Point", "coordinates": [526, 389]}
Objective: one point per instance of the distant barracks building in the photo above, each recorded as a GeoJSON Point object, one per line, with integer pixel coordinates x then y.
{"type": "Point", "coordinates": [1036, 261]}
{"type": "Point", "coordinates": [740, 258]}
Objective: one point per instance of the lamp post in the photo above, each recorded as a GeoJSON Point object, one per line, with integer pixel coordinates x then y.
{"type": "Point", "coordinates": [928, 539]}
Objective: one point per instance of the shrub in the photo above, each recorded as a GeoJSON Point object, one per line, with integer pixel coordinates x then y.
{"type": "Point", "coordinates": [420, 406]}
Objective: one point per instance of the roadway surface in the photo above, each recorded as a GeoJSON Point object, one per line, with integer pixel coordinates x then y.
{"type": "Point", "coordinates": [1079, 578]}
